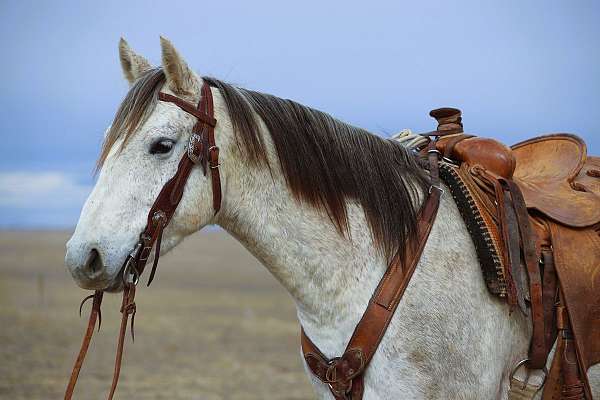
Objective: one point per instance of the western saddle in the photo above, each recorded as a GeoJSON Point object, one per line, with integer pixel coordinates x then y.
{"type": "Point", "coordinates": [533, 212]}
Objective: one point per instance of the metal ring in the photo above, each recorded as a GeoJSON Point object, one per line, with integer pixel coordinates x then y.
{"type": "Point", "coordinates": [521, 363]}
{"type": "Point", "coordinates": [130, 271]}
{"type": "Point", "coordinates": [441, 190]}
{"type": "Point", "coordinates": [450, 161]}
{"type": "Point", "coordinates": [516, 367]}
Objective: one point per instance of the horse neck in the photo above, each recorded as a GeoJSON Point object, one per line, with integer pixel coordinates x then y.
{"type": "Point", "coordinates": [331, 278]}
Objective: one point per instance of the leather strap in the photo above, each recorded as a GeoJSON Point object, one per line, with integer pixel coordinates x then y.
{"type": "Point", "coordinates": [201, 115]}
{"type": "Point", "coordinates": [538, 350]}
{"type": "Point", "coordinates": [571, 385]}
{"type": "Point", "coordinates": [549, 297]}
{"type": "Point", "coordinates": [449, 150]}
{"type": "Point", "coordinates": [345, 374]}
{"type": "Point", "coordinates": [202, 150]}
{"type": "Point", "coordinates": [128, 308]}
{"type": "Point", "coordinates": [519, 240]}
{"type": "Point", "coordinates": [87, 338]}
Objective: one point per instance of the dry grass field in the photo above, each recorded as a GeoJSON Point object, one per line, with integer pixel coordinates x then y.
{"type": "Point", "coordinates": [218, 329]}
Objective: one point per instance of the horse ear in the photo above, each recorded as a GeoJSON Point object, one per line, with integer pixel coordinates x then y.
{"type": "Point", "coordinates": [133, 64]}
{"type": "Point", "coordinates": [180, 78]}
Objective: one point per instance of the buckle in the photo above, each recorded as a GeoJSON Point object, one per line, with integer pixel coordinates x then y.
{"type": "Point", "coordinates": [194, 143]}
{"type": "Point", "coordinates": [438, 188]}
{"type": "Point", "coordinates": [339, 386]}
{"type": "Point", "coordinates": [130, 273]}
{"type": "Point", "coordinates": [145, 251]}
{"type": "Point", "coordinates": [212, 150]}
{"type": "Point", "coordinates": [331, 373]}
{"type": "Point", "coordinates": [344, 392]}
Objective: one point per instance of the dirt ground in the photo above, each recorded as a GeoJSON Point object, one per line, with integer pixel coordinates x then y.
{"type": "Point", "coordinates": [222, 328]}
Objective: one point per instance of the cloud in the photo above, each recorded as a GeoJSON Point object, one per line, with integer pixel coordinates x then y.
{"type": "Point", "coordinates": [40, 199]}
{"type": "Point", "coordinates": [45, 189]}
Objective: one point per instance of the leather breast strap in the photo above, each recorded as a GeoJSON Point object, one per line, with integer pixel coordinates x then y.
{"type": "Point", "coordinates": [345, 374]}
{"type": "Point", "coordinates": [202, 150]}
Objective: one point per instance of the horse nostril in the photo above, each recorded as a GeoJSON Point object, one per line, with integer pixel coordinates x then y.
{"type": "Point", "coordinates": [94, 261]}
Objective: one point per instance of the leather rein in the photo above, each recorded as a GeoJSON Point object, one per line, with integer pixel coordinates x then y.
{"type": "Point", "coordinates": [345, 374]}
{"type": "Point", "coordinates": [201, 150]}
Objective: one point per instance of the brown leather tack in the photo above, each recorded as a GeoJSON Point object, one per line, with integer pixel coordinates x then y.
{"type": "Point", "coordinates": [202, 150]}
{"type": "Point", "coordinates": [87, 338]}
{"type": "Point", "coordinates": [539, 204]}
{"type": "Point", "coordinates": [346, 380]}
{"type": "Point", "coordinates": [533, 212]}
{"type": "Point", "coordinates": [532, 227]}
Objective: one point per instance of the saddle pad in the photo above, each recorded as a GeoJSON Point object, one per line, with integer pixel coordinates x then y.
{"type": "Point", "coordinates": [547, 172]}
{"type": "Point", "coordinates": [477, 213]}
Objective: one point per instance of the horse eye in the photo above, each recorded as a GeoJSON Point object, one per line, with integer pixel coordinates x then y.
{"type": "Point", "coordinates": [162, 146]}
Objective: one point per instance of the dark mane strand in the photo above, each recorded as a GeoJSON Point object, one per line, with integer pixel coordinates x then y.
{"type": "Point", "coordinates": [326, 162]}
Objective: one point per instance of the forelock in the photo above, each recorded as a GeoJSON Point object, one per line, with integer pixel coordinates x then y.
{"type": "Point", "coordinates": [134, 110]}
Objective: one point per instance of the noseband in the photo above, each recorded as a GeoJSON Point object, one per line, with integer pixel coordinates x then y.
{"type": "Point", "coordinates": [201, 150]}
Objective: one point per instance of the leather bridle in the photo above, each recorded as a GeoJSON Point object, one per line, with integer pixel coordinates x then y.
{"type": "Point", "coordinates": [344, 374]}
{"type": "Point", "coordinates": [201, 150]}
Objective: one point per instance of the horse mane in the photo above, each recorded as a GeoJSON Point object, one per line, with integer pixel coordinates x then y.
{"type": "Point", "coordinates": [325, 162]}
{"type": "Point", "coordinates": [134, 110]}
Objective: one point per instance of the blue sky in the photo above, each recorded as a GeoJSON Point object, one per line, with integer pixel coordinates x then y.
{"type": "Point", "coordinates": [515, 68]}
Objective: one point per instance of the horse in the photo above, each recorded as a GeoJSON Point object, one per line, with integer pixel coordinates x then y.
{"type": "Point", "coordinates": [324, 206]}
